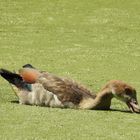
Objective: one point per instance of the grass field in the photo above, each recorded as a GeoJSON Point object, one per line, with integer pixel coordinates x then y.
{"type": "Point", "coordinates": [91, 41]}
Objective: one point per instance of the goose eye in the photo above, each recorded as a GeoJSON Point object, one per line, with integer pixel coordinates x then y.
{"type": "Point", "coordinates": [128, 92]}
{"type": "Point", "coordinates": [131, 94]}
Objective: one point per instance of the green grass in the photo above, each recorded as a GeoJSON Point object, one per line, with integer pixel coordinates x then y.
{"type": "Point", "coordinates": [91, 41]}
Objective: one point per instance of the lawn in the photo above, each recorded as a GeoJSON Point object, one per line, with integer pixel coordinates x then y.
{"type": "Point", "coordinates": [91, 41]}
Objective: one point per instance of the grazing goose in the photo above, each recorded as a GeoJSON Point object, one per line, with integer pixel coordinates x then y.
{"type": "Point", "coordinates": [41, 88]}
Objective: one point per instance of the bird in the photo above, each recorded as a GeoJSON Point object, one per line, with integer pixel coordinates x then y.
{"type": "Point", "coordinates": [37, 87]}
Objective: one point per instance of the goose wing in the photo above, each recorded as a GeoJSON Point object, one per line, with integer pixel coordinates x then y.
{"type": "Point", "coordinates": [65, 89]}
{"type": "Point", "coordinates": [15, 79]}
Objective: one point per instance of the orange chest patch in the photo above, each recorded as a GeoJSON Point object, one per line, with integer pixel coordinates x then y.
{"type": "Point", "coordinates": [29, 75]}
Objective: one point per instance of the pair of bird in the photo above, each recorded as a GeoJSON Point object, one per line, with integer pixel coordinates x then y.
{"type": "Point", "coordinates": [35, 87]}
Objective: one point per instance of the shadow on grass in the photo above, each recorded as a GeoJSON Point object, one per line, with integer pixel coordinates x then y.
{"type": "Point", "coordinates": [119, 110]}
{"type": "Point", "coordinates": [15, 101]}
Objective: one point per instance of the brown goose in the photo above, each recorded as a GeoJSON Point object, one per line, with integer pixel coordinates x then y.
{"type": "Point", "coordinates": [50, 90]}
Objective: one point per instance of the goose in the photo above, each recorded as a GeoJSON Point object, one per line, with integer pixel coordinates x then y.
{"type": "Point", "coordinates": [41, 88]}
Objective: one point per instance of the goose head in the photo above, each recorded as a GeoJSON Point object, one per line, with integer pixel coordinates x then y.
{"type": "Point", "coordinates": [125, 93]}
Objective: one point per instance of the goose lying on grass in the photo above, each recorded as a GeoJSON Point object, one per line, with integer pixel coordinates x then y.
{"type": "Point", "coordinates": [44, 89]}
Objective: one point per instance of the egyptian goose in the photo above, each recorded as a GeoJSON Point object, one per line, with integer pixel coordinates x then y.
{"type": "Point", "coordinates": [42, 88]}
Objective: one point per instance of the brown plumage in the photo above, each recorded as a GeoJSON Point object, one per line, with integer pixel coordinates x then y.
{"type": "Point", "coordinates": [53, 91]}
{"type": "Point", "coordinates": [66, 90]}
{"type": "Point", "coordinates": [70, 92]}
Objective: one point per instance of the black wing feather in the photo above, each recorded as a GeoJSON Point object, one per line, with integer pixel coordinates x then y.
{"type": "Point", "coordinates": [15, 79]}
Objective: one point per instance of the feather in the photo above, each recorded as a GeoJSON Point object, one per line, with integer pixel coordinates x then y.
{"type": "Point", "coordinates": [15, 79]}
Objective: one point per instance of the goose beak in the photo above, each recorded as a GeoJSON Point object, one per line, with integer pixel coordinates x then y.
{"type": "Point", "coordinates": [133, 106]}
